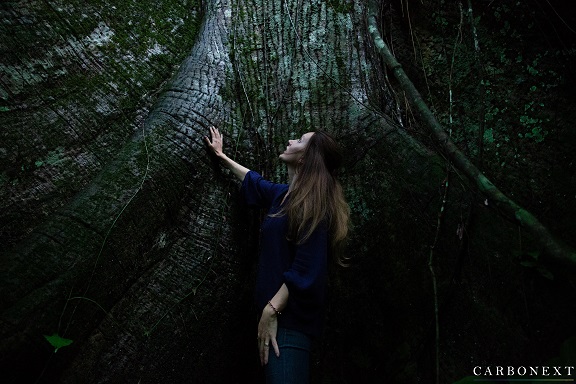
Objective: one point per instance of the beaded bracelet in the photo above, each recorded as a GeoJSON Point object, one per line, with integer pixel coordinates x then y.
{"type": "Point", "coordinates": [275, 310]}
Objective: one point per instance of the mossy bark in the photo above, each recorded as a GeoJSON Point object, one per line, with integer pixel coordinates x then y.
{"type": "Point", "coordinates": [146, 260]}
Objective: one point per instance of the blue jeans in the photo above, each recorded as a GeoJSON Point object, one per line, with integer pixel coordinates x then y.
{"type": "Point", "coordinates": [293, 365]}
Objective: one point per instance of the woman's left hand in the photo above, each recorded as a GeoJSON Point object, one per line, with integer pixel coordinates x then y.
{"type": "Point", "coordinates": [267, 329]}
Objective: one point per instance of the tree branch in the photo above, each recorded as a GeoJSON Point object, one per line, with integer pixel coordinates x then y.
{"type": "Point", "coordinates": [555, 249]}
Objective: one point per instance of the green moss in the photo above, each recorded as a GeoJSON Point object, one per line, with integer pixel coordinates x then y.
{"type": "Point", "coordinates": [53, 158]}
{"type": "Point", "coordinates": [341, 6]}
{"type": "Point", "coordinates": [105, 52]}
{"type": "Point", "coordinates": [80, 77]}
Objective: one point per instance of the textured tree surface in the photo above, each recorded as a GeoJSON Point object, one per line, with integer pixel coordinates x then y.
{"type": "Point", "coordinates": [120, 233]}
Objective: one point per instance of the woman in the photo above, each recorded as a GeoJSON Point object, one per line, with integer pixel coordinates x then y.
{"type": "Point", "coordinates": [307, 219]}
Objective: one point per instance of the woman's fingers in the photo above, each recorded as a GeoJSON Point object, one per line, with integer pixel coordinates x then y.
{"type": "Point", "coordinates": [267, 328]}
{"type": "Point", "coordinates": [215, 141]}
{"type": "Point", "coordinates": [264, 348]}
{"type": "Point", "coordinates": [215, 133]}
{"type": "Point", "coordinates": [276, 349]}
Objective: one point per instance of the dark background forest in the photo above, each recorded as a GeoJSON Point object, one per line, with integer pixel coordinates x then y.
{"type": "Point", "coordinates": [127, 255]}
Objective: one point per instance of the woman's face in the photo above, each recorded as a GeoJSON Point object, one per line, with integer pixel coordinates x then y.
{"type": "Point", "coordinates": [295, 149]}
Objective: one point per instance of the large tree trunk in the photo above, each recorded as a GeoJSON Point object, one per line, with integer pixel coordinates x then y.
{"type": "Point", "coordinates": [145, 260]}
{"type": "Point", "coordinates": [109, 268]}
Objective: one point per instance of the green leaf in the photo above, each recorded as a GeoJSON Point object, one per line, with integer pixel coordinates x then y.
{"type": "Point", "coordinates": [488, 136]}
{"type": "Point", "coordinates": [57, 341]}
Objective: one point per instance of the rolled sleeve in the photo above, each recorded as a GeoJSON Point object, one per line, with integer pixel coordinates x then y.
{"type": "Point", "coordinates": [306, 276]}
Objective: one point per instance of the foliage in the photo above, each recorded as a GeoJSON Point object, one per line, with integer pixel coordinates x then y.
{"type": "Point", "coordinates": [496, 83]}
{"type": "Point", "coordinates": [57, 341]}
{"type": "Point", "coordinates": [499, 83]}
{"type": "Point", "coordinates": [510, 107]}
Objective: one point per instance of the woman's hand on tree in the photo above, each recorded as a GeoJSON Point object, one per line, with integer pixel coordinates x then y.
{"type": "Point", "coordinates": [267, 329]}
{"type": "Point", "coordinates": [216, 142]}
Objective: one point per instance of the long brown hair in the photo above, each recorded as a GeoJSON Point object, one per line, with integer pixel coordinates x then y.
{"type": "Point", "coordinates": [316, 193]}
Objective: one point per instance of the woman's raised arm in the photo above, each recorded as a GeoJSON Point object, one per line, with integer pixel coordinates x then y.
{"type": "Point", "coordinates": [215, 144]}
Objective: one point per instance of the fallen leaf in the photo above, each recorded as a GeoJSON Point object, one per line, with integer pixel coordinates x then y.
{"type": "Point", "coordinates": [57, 341]}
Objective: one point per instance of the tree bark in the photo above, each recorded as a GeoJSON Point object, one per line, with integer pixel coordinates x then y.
{"type": "Point", "coordinates": [111, 253]}
{"type": "Point", "coordinates": [147, 262]}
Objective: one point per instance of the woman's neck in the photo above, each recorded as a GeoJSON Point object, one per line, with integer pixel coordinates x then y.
{"type": "Point", "coordinates": [291, 174]}
{"type": "Point", "coordinates": [291, 178]}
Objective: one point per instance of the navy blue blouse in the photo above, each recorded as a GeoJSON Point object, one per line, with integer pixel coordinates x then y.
{"type": "Point", "coordinates": [303, 267]}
